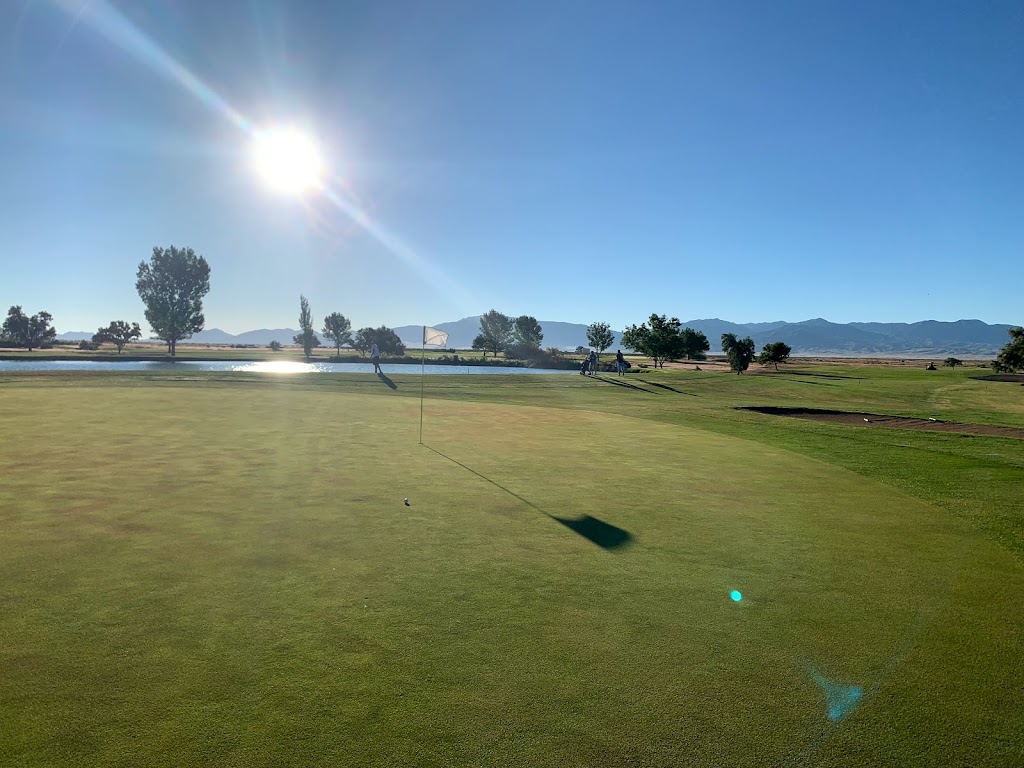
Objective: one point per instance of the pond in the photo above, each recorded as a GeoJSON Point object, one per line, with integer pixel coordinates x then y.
{"type": "Point", "coordinates": [254, 366]}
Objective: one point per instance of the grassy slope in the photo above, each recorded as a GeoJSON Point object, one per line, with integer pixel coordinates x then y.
{"type": "Point", "coordinates": [224, 574]}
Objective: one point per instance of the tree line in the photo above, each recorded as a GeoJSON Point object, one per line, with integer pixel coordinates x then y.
{"type": "Point", "coordinates": [518, 337]}
{"type": "Point", "coordinates": [173, 283]}
{"type": "Point", "coordinates": [338, 329]}
{"type": "Point", "coordinates": [665, 339]}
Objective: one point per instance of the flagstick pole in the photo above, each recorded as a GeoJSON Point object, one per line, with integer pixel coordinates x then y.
{"type": "Point", "coordinates": [423, 376]}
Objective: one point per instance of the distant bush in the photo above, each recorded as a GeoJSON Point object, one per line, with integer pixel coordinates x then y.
{"type": "Point", "coordinates": [90, 346]}
{"type": "Point", "coordinates": [275, 345]}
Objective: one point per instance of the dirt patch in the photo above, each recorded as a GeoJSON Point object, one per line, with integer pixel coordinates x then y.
{"type": "Point", "coordinates": [881, 420]}
{"type": "Point", "coordinates": [1017, 378]}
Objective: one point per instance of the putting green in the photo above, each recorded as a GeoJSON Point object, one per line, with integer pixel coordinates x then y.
{"type": "Point", "coordinates": [228, 576]}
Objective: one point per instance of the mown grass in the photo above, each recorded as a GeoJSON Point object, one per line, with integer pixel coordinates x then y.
{"type": "Point", "coordinates": [219, 570]}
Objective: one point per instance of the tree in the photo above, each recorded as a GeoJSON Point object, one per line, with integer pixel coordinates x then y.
{"type": "Point", "coordinates": [660, 342]}
{"type": "Point", "coordinates": [1011, 357]}
{"type": "Point", "coordinates": [600, 337]}
{"type": "Point", "coordinates": [740, 352]}
{"type": "Point", "coordinates": [338, 329]}
{"type": "Point", "coordinates": [306, 335]}
{"type": "Point", "coordinates": [25, 331]}
{"type": "Point", "coordinates": [694, 344]}
{"type": "Point", "coordinates": [775, 352]}
{"type": "Point", "coordinates": [118, 333]}
{"type": "Point", "coordinates": [495, 333]}
{"type": "Point", "coordinates": [275, 346]}
{"type": "Point", "coordinates": [364, 340]}
{"type": "Point", "coordinates": [527, 333]}
{"type": "Point", "coordinates": [952, 362]}
{"type": "Point", "coordinates": [388, 342]}
{"type": "Point", "coordinates": [172, 286]}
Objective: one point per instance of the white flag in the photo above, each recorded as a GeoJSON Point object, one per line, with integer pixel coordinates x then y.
{"type": "Point", "coordinates": [432, 337]}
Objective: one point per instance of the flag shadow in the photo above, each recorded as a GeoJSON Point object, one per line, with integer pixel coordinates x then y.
{"type": "Point", "coordinates": [604, 535]}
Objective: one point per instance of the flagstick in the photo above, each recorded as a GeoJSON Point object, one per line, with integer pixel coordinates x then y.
{"type": "Point", "coordinates": [423, 372]}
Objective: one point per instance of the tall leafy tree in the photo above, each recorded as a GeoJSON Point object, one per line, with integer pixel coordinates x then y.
{"type": "Point", "coordinates": [118, 333]}
{"type": "Point", "coordinates": [740, 352]}
{"type": "Point", "coordinates": [694, 344]}
{"type": "Point", "coordinates": [776, 352]}
{"type": "Point", "coordinates": [1011, 357]}
{"type": "Point", "coordinates": [25, 331]}
{"type": "Point", "coordinates": [526, 332]}
{"type": "Point", "coordinates": [600, 336]}
{"type": "Point", "coordinates": [338, 329]}
{"type": "Point", "coordinates": [495, 333]}
{"type": "Point", "coordinates": [389, 342]}
{"type": "Point", "coordinates": [172, 286]}
{"type": "Point", "coordinates": [363, 340]}
{"type": "Point", "coordinates": [306, 335]}
{"type": "Point", "coordinates": [660, 340]}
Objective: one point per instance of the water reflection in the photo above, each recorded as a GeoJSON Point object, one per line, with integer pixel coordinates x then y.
{"type": "Point", "coordinates": [258, 366]}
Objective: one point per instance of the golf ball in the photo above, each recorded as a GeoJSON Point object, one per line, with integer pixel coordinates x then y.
{"type": "Point", "coordinates": [735, 595]}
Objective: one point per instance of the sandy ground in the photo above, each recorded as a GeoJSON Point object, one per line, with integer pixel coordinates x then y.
{"type": "Point", "coordinates": [899, 422]}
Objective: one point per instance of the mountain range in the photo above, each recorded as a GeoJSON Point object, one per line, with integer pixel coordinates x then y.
{"type": "Point", "coordinates": [928, 338]}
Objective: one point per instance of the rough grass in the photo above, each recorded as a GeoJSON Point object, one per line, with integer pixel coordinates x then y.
{"type": "Point", "coordinates": [220, 571]}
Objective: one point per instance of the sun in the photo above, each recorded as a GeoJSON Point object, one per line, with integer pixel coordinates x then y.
{"type": "Point", "coordinates": [288, 160]}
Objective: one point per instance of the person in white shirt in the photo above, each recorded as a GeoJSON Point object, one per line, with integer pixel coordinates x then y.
{"type": "Point", "coordinates": [375, 356]}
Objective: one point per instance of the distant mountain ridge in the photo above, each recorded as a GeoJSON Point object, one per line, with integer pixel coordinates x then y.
{"type": "Point", "coordinates": [927, 338]}
{"type": "Point", "coordinates": [809, 337]}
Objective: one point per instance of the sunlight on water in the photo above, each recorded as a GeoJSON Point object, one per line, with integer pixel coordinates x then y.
{"type": "Point", "coordinates": [277, 367]}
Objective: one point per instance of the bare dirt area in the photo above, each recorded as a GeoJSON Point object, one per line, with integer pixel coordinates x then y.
{"type": "Point", "coordinates": [881, 420]}
{"type": "Point", "coordinates": [1016, 378]}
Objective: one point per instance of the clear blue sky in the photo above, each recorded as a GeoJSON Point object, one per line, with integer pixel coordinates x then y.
{"type": "Point", "coordinates": [576, 161]}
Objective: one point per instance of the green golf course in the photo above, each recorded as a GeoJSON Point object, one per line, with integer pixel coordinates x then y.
{"type": "Point", "coordinates": [213, 569]}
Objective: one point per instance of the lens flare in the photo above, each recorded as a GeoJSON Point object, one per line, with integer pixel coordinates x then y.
{"type": "Point", "coordinates": [290, 162]}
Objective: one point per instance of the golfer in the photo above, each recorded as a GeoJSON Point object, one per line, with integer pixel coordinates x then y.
{"type": "Point", "coordinates": [620, 363]}
{"type": "Point", "coordinates": [375, 356]}
{"type": "Point", "coordinates": [593, 362]}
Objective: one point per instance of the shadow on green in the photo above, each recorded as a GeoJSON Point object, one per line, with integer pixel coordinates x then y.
{"type": "Point", "coordinates": [605, 535]}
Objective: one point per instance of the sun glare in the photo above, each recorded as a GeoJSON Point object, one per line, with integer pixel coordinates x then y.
{"type": "Point", "coordinates": [287, 160]}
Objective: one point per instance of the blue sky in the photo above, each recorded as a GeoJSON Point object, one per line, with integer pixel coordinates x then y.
{"type": "Point", "coordinates": [575, 161]}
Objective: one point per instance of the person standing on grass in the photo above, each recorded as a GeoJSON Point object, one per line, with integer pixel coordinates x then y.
{"type": "Point", "coordinates": [375, 356]}
{"type": "Point", "coordinates": [620, 363]}
{"type": "Point", "coordinates": [593, 362]}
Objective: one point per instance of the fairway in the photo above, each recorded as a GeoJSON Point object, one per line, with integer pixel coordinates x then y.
{"type": "Point", "coordinates": [222, 571]}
